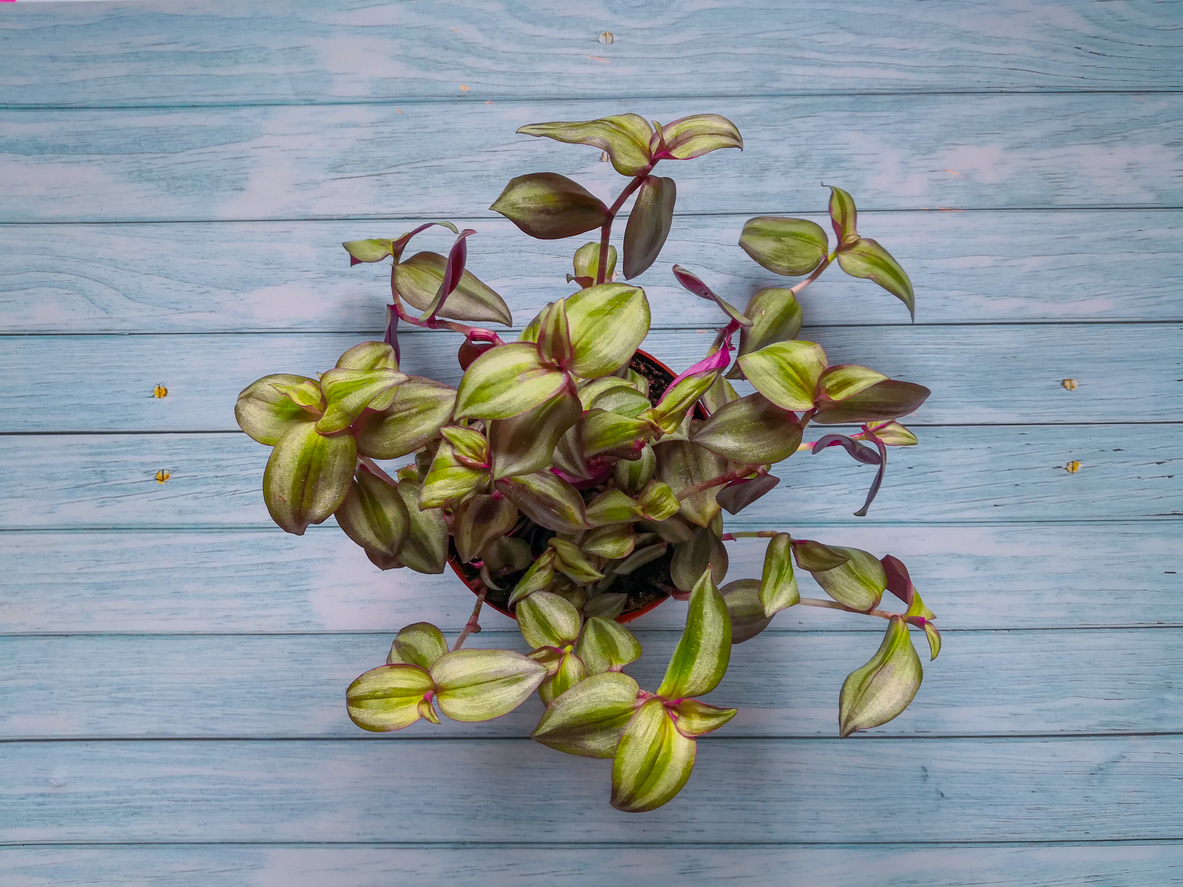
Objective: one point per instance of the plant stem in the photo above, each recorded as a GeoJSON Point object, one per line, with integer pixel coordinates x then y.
{"type": "Point", "coordinates": [834, 605]}
{"type": "Point", "coordinates": [817, 272]}
{"type": "Point", "coordinates": [377, 471]}
{"type": "Point", "coordinates": [472, 626]}
{"type": "Point", "coordinates": [606, 229]}
{"type": "Point", "coordinates": [758, 534]}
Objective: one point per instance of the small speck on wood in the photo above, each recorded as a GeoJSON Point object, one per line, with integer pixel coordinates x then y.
{"type": "Point", "coordinates": [1072, 467]}
{"type": "Point", "coordinates": [1069, 384]}
{"type": "Point", "coordinates": [606, 37]}
{"type": "Point", "coordinates": [162, 476]}
{"type": "Point", "coordinates": [160, 391]}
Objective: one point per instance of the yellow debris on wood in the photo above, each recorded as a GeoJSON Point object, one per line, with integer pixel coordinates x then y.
{"type": "Point", "coordinates": [162, 476]}
{"type": "Point", "coordinates": [1072, 467]}
{"type": "Point", "coordinates": [160, 391]}
{"type": "Point", "coordinates": [1069, 384]}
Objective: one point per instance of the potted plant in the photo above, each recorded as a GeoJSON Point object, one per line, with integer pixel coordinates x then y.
{"type": "Point", "coordinates": [573, 482]}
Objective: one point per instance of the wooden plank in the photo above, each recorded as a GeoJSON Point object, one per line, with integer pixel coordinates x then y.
{"type": "Point", "coordinates": [852, 865]}
{"type": "Point", "coordinates": [1022, 576]}
{"type": "Point", "coordinates": [975, 267]}
{"type": "Point", "coordinates": [983, 474]}
{"type": "Point", "coordinates": [120, 686]}
{"type": "Point", "coordinates": [440, 160]}
{"type": "Point", "coordinates": [980, 375]}
{"type": "Point", "coordinates": [201, 53]}
{"type": "Point", "coordinates": [755, 791]}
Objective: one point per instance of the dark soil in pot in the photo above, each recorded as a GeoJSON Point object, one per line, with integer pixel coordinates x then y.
{"type": "Point", "coordinates": [645, 587]}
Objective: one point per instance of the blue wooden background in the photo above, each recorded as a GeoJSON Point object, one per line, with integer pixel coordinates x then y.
{"type": "Point", "coordinates": [175, 180]}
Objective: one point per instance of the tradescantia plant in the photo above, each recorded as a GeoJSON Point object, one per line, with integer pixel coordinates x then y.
{"type": "Point", "coordinates": [573, 482]}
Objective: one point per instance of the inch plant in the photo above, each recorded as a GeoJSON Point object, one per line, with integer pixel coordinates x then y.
{"type": "Point", "coordinates": [572, 482]}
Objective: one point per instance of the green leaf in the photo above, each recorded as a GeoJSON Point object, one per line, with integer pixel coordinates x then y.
{"type": "Point", "coordinates": [588, 719]}
{"type": "Point", "coordinates": [418, 281]}
{"type": "Point", "coordinates": [506, 381]}
{"type": "Point", "coordinates": [752, 430]}
{"type": "Point", "coordinates": [632, 475]}
{"type": "Point", "coordinates": [605, 432]}
{"type": "Point", "coordinates": [387, 697]}
{"type": "Point", "coordinates": [739, 494]}
{"type": "Point", "coordinates": [867, 259]}
{"type": "Point", "coordinates": [449, 479]}
{"type": "Point", "coordinates": [549, 206]}
{"type": "Point", "coordinates": [368, 356]}
{"type": "Point", "coordinates": [479, 685]}
{"type": "Point", "coordinates": [478, 521]}
{"type": "Point", "coordinates": [859, 583]}
{"type": "Point", "coordinates": [573, 563]}
{"type": "Point", "coordinates": [367, 250]}
{"type": "Point", "coordinates": [348, 392]}
{"type": "Point", "coordinates": [587, 263]}
{"type": "Point", "coordinates": [546, 499]}
{"type": "Point", "coordinates": [607, 606]}
{"type": "Point", "coordinates": [648, 224]}
{"type": "Point", "coordinates": [694, 718]}
{"type": "Point", "coordinates": [425, 549]}
{"type": "Point", "coordinates": [881, 689]}
{"type": "Point", "coordinates": [470, 445]}
{"type": "Point", "coordinates": [614, 394]}
{"type": "Point", "coordinates": [885, 400]}
{"type": "Point", "coordinates": [784, 246]}
{"type": "Point", "coordinates": [934, 639]}
{"type": "Point", "coordinates": [612, 507]}
{"type": "Point", "coordinates": [893, 434]}
{"type": "Point", "coordinates": [420, 408]}
{"type": "Point", "coordinates": [373, 514]}
{"type": "Point", "coordinates": [613, 541]}
{"type": "Point", "coordinates": [844, 381]}
{"type": "Point", "coordinates": [678, 400]}
{"type": "Point", "coordinates": [786, 372]}
{"type": "Point", "coordinates": [843, 217]}
{"type": "Point", "coordinates": [745, 609]}
{"type": "Point", "coordinates": [570, 672]}
{"type": "Point", "coordinates": [658, 501]}
{"type": "Point", "coordinates": [682, 464]}
{"type": "Point", "coordinates": [700, 659]}
{"type": "Point", "coordinates": [699, 134]}
{"type": "Point", "coordinates": [608, 323]}
{"type": "Point", "coordinates": [692, 558]}
{"type": "Point", "coordinates": [526, 443]}
{"type": "Point", "coordinates": [814, 556]}
{"type": "Point", "coordinates": [625, 137]}
{"type": "Point", "coordinates": [418, 644]}
{"type": "Point", "coordinates": [307, 477]}
{"type": "Point", "coordinates": [652, 761]}
{"type": "Point", "coordinates": [605, 645]}
{"type": "Point", "coordinates": [778, 585]}
{"type": "Point", "coordinates": [547, 620]}
{"type": "Point", "coordinates": [265, 412]}
{"type": "Point", "coordinates": [635, 561]}
{"type": "Point", "coordinates": [538, 576]}
{"type": "Point", "coordinates": [776, 317]}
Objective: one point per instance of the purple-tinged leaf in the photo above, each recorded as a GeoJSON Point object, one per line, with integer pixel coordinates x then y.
{"type": "Point", "coordinates": [694, 284]}
{"type": "Point", "coordinates": [547, 620]}
{"type": "Point", "coordinates": [704, 549]}
{"type": "Point", "coordinates": [265, 411]}
{"type": "Point", "coordinates": [859, 583]}
{"type": "Point", "coordinates": [470, 350]}
{"type": "Point", "coordinates": [526, 443]}
{"type": "Point", "coordinates": [786, 372]}
{"type": "Point", "coordinates": [694, 718]}
{"type": "Point", "coordinates": [418, 280]}
{"type": "Point", "coordinates": [479, 685]}
{"type": "Point", "coordinates": [453, 272]}
{"type": "Point", "coordinates": [886, 400]}
{"type": "Point", "coordinates": [418, 644]}
{"type": "Point", "coordinates": [587, 264]}
{"type": "Point", "coordinates": [682, 464]}
{"type": "Point", "coordinates": [893, 434]}
{"type": "Point", "coordinates": [425, 550]}
{"type": "Point", "coordinates": [387, 698]}
{"type": "Point", "coordinates": [607, 324]}
{"type": "Point", "coordinates": [391, 337]}
{"type": "Point", "coordinates": [776, 317]}
{"type": "Point", "coordinates": [588, 719]}
{"type": "Point", "coordinates": [373, 514]}
{"type": "Point", "coordinates": [307, 476]}
{"type": "Point", "coordinates": [696, 135]}
{"type": "Point", "coordinates": [478, 521]}
{"type": "Point", "coordinates": [739, 494]}
{"type": "Point", "coordinates": [367, 251]}
{"type": "Point", "coordinates": [700, 659]}
{"type": "Point", "coordinates": [397, 246]}
{"type": "Point", "coordinates": [859, 451]}
{"type": "Point", "coordinates": [778, 585]}
{"type": "Point", "coordinates": [878, 481]}
{"type": "Point", "coordinates": [899, 582]}
{"type": "Point", "coordinates": [547, 500]}
{"type": "Point", "coordinates": [506, 381]}
{"type": "Point", "coordinates": [605, 645]}
{"type": "Point", "coordinates": [843, 381]}
{"type": "Point", "coordinates": [934, 639]}
{"type": "Point", "coordinates": [648, 224]}
{"type": "Point", "coordinates": [745, 610]}
{"type": "Point", "coordinates": [420, 408]}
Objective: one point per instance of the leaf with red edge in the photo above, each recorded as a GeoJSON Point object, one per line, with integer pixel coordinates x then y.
{"type": "Point", "coordinates": [886, 400]}
{"type": "Point", "coordinates": [694, 284]}
{"type": "Point", "coordinates": [648, 224]}
{"type": "Point", "coordinates": [453, 272]}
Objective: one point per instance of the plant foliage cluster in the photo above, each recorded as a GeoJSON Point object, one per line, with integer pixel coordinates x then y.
{"type": "Point", "coordinates": [559, 472]}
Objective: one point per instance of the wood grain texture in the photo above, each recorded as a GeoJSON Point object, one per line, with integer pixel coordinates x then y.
{"type": "Point", "coordinates": [850, 865]}
{"type": "Point", "coordinates": [441, 160]}
{"type": "Point", "coordinates": [978, 375]}
{"type": "Point", "coordinates": [984, 474]}
{"type": "Point", "coordinates": [759, 791]}
{"type": "Point", "coordinates": [202, 53]}
{"type": "Point", "coordinates": [1069, 575]}
{"type": "Point", "coordinates": [975, 267]}
{"type": "Point", "coordinates": [1011, 683]}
